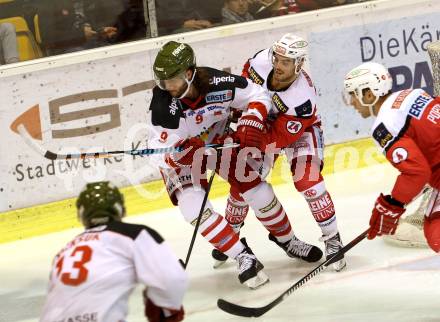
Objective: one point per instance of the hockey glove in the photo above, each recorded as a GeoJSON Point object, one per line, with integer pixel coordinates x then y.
{"type": "Point", "coordinates": [155, 313]}
{"type": "Point", "coordinates": [385, 216]}
{"type": "Point", "coordinates": [250, 132]}
{"type": "Point", "coordinates": [186, 156]}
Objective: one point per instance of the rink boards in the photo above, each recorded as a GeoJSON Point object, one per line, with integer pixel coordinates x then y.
{"type": "Point", "coordinates": [99, 99]}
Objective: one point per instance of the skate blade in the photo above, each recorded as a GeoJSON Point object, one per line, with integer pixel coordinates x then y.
{"type": "Point", "coordinates": [218, 264]}
{"type": "Point", "coordinates": [257, 281]}
{"type": "Point", "coordinates": [340, 266]}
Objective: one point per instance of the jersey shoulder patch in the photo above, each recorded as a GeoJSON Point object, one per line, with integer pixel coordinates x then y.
{"type": "Point", "coordinates": [132, 230]}
{"type": "Point", "coordinates": [279, 104]}
{"type": "Point", "coordinates": [382, 135]}
{"type": "Point", "coordinates": [304, 110]}
{"type": "Point", "coordinates": [166, 110]}
{"type": "Point", "coordinates": [255, 77]}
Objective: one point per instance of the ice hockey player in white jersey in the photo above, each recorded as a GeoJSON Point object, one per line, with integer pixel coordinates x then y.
{"type": "Point", "coordinates": [94, 274]}
{"type": "Point", "coordinates": [293, 125]}
{"type": "Point", "coordinates": [190, 108]}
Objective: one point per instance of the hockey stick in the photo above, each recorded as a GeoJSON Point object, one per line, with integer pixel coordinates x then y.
{"type": "Point", "coordinates": [103, 154]}
{"type": "Point", "coordinates": [205, 199]}
{"type": "Point", "coordinates": [199, 218]}
{"type": "Point", "coordinates": [259, 311]}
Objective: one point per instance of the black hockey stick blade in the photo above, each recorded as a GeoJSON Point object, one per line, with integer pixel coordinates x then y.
{"type": "Point", "coordinates": [244, 311]}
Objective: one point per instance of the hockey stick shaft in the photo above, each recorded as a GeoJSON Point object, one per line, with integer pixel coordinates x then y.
{"type": "Point", "coordinates": [202, 208]}
{"type": "Point", "coordinates": [104, 154]}
{"type": "Point", "coordinates": [258, 311]}
{"type": "Point", "coordinates": [199, 219]}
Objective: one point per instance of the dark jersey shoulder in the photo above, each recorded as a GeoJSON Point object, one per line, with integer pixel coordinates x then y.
{"type": "Point", "coordinates": [166, 110]}
{"type": "Point", "coordinates": [220, 80]}
{"type": "Point", "coordinates": [132, 230]}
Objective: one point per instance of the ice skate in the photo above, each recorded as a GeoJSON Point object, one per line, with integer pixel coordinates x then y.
{"type": "Point", "coordinates": [219, 258]}
{"type": "Point", "coordinates": [250, 270]}
{"type": "Point", "coordinates": [333, 244]}
{"type": "Point", "coordinates": [296, 248]}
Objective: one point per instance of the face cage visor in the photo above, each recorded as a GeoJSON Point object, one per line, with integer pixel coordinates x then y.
{"type": "Point", "coordinates": [298, 62]}
{"type": "Point", "coordinates": [176, 80]}
{"type": "Point", "coordinates": [358, 93]}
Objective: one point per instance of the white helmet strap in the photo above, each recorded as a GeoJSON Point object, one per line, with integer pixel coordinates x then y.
{"type": "Point", "coordinates": [298, 64]}
{"type": "Point", "coordinates": [188, 84]}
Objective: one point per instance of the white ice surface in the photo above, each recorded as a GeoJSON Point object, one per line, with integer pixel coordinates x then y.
{"type": "Point", "coordinates": [381, 283]}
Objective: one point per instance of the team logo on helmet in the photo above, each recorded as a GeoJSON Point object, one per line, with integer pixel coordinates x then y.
{"type": "Point", "coordinates": [177, 51]}
{"type": "Point", "coordinates": [299, 44]}
{"type": "Point", "coordinates": [279, 50]}
{"type": "Point", "coordinates": [357, 72]}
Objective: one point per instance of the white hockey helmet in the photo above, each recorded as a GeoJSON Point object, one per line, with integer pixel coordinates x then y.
{"type": "Point", "coordinates": [368, 75]}
{"type": "Point", "coordinates": [291, 46]}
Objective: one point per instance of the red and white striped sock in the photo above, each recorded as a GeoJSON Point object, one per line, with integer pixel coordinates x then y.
{"type": "Point", "coordinates": [269, 211]}
{"type": "Point", "coordinates": [213, 226]}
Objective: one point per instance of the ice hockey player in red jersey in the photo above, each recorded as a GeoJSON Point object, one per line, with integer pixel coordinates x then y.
{"type": "Point", "coordinates": [293, 125]}
{"type": "Point", "coordinates": [190, 107]}
{"type": "Point", "coordinates": [407, 130]}
{"type": "Point", "coordinates": [94, 274]}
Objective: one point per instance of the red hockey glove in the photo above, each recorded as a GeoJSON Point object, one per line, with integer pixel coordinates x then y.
{"type": "Point", "coordinates": [184, 158]}
{"type": "Point", "coordinates": [155, 313]}
{"type": "Point", "coordinates": [385, 216]}
{"type": "Point", "coordinates": [235, 115]}
{"type": "Point", "coordinates": [250, 132]}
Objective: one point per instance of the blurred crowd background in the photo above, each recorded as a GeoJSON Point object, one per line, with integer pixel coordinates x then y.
{"type": "Point", "coordinates": [31, 29]}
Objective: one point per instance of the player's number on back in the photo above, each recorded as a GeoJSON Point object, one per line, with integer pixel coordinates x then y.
{"type": "Point", "coordinates": [77, 273]}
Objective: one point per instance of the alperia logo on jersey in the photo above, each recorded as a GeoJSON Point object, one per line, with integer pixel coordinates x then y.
{"type": "Point", "coordinates": [279, 104]}
{"type": "Point", "coordinates": [173, 106]}
{"type": "Point", "coordinates": [216, 80]}
{"type": "Point", "coordinates": [220, 96]}
{"type": "Point", "coordinates": [253, 75]}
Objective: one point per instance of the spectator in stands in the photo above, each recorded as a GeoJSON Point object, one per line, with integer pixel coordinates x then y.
{"type": "Point", "coordinates": [112, 21]}
{"type": "Point", "coordinates": [72, 25]}
{"type": "Point", "coordinates": [269, 8]}
{"type": "Point", "coordinates": [266, 8]}
{"type": "Point", "coordinates": [305, 5]}
{"type": "Point", "coordinates": [175, 16]}
{"type": "Point", "coordinates": [130, 24]}
{"type": "Point", "coordinates": [8, 44]}
{"type": "Point", "coordinates": [235, 11]}
{"type": "Point", "coordinates": [101, 17]}
{"type": "Point", "coordinates": [62, 30]}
